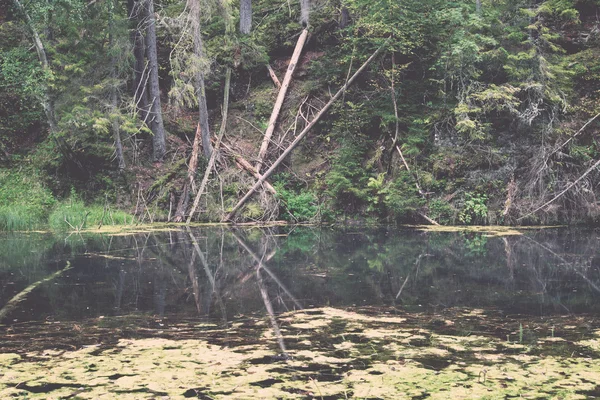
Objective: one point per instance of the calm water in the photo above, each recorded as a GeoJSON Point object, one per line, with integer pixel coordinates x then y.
{"type": "Point", "coordinates": [222, 273]}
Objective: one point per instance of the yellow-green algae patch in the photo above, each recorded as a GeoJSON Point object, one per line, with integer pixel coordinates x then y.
{"type": "Point", "coordinates": [486, 230]}
{"type": "Point", "coordinates": [326, 353]}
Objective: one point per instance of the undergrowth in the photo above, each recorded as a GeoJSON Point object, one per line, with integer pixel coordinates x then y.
{"type": "Point", "coordinates": [73, 214]}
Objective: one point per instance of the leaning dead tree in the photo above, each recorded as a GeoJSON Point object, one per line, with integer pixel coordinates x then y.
{"type": "Point", "coordinates": [280, 98]}
{"type": "Point", "coordinates": [301, 135]}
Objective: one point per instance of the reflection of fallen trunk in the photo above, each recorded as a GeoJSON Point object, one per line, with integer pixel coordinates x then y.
{"type": "Point", "coordinates": [416, 269]}
{"type": "Point", "coordinates": [269, 307]}
{"type": "Point", "coordinates": [267, 270]}
{"type": "Point", "coordinates": [209, 274]}
{"type": "Point", "coordinates": [120, 287]}
{"type": "Point", "coordinates": [543, 284]}
{"type": "Point", "coordinates": [19, 297]}
{"type": "Point", "coordinates": [585, 278]}
{"type": "Point", "coordinates": [194, 279]}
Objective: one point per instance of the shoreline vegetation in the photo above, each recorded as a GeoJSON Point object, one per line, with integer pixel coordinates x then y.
{"type": "Point", "coordinates": [451, 113]}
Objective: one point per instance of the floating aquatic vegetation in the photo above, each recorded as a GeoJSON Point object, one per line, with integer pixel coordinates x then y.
{"type": "Point", "coordinates": [330, 353]}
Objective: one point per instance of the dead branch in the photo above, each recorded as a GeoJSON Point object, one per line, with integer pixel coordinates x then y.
{"type": "Point", "coordinates": [273, 76]}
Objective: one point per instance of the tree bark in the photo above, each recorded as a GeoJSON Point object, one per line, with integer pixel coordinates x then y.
{"type": "Point", "coordinates": [193, 165]}
{"type": "Point", "coordinates": [194, 15]}
{"type": "Point", "coordinates": [140, 72]}
{"type": "Point", "coordinates": [156, 120]}
{"type": "Point", "coordinates": [114, 99]}
{"type": "Point", "coordinates": [182, 205]}
{"type": "Point", "coordinates": [273, 76]}
{"type": "Point", "coordinates": [304, 12]}
{"type": "Point", "coordinates": [280, 97]}
{"type": "Point", "coordinates": [245, 16]}
{"type": "Point", "coordinates": [302, 134]}
{"type": "Point", "coordinates": [344, 18]}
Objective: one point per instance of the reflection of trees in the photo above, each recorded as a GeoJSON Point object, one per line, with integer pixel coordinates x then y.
{"type": "Point", "coordinates": [221, 273]}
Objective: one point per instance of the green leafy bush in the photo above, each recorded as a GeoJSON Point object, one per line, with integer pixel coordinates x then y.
{"type": "Point", "coordinates": [300, 207]}
{"type": "Point", "coordinates": [474, 210]}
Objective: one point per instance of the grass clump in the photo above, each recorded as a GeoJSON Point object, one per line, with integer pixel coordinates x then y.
{"type": "Point", "coordinates": [73, 214]}
{"type": "Point", "coordinates": [24, 201]}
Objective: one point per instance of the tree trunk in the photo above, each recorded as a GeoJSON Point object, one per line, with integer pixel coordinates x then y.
{"type": "Point", "coordinates": [156, 120]}
{"type": "Point", "coordinates": [200, 90]}
{"type": "Point", "coordinates": [182, 205]}
{"type": "Point", "coordinates": [140, 72]}
{"type": "Point", "coordinates": [280, 97]}
{"type": "Point", "coordinates": [114, 99]}
{"type": "Point", "coordinates": [304, 12]}
{"type": "Point", "coordinates": [193, 165]}
{"type": "Point", "coordinates": [245, 16]}
{"type": "Point", "coordinates": [344, 18]}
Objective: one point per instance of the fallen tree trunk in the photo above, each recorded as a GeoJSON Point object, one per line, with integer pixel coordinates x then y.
{"type": "Point", "coordinates": [302, 134]}
{"type": "Point", "coordinates": [280, 97]}
{"type": "Point", "coordinates": [215, 151]}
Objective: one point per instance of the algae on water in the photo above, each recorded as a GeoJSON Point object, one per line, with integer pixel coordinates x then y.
{"type": "Point", "coordinates": [330, 353]}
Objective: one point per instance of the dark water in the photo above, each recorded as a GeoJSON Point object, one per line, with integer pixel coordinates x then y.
{"type": "Point", "coordinates": [223, 273]}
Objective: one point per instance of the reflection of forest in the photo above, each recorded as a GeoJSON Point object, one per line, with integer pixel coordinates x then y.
{"type": "Point", "coordinates": [222, 273]}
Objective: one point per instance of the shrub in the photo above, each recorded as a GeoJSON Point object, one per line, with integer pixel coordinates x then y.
{"type": "Point", "coordinates": [301, 207]}
{"type": "Point", "coordinates": [474, 210]}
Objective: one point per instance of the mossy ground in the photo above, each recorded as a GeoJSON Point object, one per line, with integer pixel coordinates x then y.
{"type": "Point", "coordinates": [319, 353]}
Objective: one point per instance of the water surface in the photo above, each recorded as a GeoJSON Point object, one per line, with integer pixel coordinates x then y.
{"type": "Point", "coordinates": [212, 272]}
{"type": "Point", "coordinates": [300, 312]}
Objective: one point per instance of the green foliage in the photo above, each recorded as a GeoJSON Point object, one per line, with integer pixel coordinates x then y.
{"type": "Point", "coordinates": [347, 179]}
{"type": "Point", "coordinates": [298, 204]}
{"type": "Point", "coordinates": [299, 207]}
{"type": "Point", "coordinates": [24, 201]}
{"type": "Point", "coordinates": [442, 212]}
{"type": "Point", "coordinates": [402, 198]}
{"type": "Point", "coordinates": [474, 209]}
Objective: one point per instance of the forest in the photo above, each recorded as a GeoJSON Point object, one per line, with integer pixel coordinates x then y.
{"type": "Point", "coordinates": [365, 111]}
